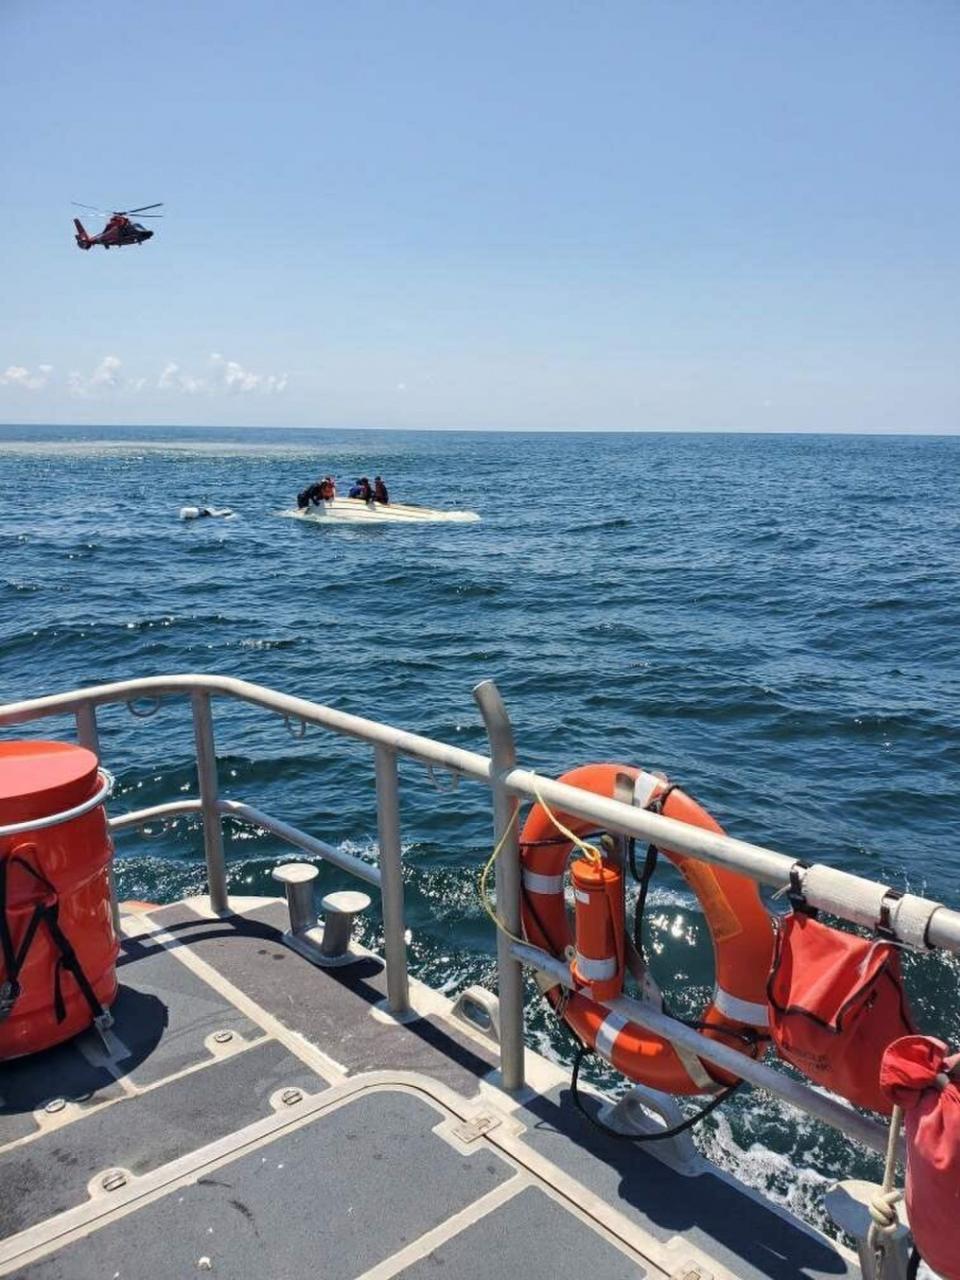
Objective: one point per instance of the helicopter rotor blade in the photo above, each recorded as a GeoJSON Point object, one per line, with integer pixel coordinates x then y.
{"type": "Point", "coordinates": [143, 207]}
{"type": "Point", "coordinates": [92, 207]}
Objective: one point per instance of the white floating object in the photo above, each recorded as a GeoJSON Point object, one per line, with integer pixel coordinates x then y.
{"type": "Point", "coordinates": [197, 513]}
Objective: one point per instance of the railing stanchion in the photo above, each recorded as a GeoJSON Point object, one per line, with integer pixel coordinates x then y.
{"type": "Point", "coordinates": [87, 733]}
{"type": "Point", "coordinates": [510, 973]}
{"type": "Point", "coordinates": [391, 881]}
{"type": "Point", "coordinates": [89, 736]}
{"type": "Point", "coordinates": [209, 796]}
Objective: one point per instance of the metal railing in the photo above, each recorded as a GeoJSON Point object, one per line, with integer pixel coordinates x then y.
{"type": "Point", "coordinates": [911, 919]}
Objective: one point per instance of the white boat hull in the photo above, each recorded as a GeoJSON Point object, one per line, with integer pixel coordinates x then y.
{"type": "Point", "coordinates": [355, 511]}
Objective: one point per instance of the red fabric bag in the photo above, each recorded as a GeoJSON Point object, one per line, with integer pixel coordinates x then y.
{"type": "Point", "coordinates": [913, 1074]}
{"type": "Point", "coordinates": [836, 1001]}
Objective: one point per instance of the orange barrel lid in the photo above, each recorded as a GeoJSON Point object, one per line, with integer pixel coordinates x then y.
{"type": "Point", "coordinates": [38, 779]}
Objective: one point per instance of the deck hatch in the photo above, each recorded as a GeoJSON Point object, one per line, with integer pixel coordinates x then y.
{"type": "Point", "coordinates": [333, 1197]}
{"type": "Point", "coordinates": [50, 1174]}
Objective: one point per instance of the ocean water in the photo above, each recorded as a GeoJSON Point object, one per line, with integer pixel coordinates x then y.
{"type": "Point", "coordinates": [773, 621]}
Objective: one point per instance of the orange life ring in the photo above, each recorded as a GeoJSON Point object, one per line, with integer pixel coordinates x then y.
{"type": "Point", "coordinates": [739, 925]}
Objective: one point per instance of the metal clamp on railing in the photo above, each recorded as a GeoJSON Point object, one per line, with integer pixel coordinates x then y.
{"type": "Point", "coordinates": [103, 791]}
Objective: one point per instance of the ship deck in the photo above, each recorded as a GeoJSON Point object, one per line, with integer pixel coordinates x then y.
{"type": "Point", "coordinates": [259, 1116]}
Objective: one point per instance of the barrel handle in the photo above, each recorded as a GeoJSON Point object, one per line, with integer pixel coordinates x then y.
{"type": "Point", "coordinates": [105, 789]}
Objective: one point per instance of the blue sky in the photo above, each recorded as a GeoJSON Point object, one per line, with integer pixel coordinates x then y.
{"type": "Point", "coordinates": [680, 215]}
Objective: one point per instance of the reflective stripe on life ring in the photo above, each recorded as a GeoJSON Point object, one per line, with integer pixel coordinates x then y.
{"type": "Point", "coordinates": [739, 925]}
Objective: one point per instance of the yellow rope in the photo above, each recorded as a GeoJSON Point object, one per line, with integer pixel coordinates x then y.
{"type": "Point", "coordinates": [484, 876]}
{"type": "Point", "coordinates": [589, 851]}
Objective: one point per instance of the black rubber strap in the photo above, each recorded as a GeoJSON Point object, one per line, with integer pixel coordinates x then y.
{"type": "Point", "coordinates": [795, 892]}
{"type": "Point", "coordinates": [884, 926]}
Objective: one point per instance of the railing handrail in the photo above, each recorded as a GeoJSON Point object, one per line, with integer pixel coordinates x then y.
{"type": "Point", "coordinates": [915, 920]}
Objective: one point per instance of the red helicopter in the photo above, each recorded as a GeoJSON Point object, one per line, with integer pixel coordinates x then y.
{"type": "Point", "coordinates": [119, 229]}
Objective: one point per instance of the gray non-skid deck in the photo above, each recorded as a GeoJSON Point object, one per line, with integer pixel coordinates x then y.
{"type": "Point", "coordinates": [311, 1202]}
{"type": "Point", "coordinates": [245, 1152]}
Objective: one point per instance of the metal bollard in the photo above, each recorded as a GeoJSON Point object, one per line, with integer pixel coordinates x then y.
{"type": "Point", "coordinates": [297, 879]}
{"type": "Point", "coordinates": [328, 946]}
{"type": "Point", "coordinates": [339, 910]}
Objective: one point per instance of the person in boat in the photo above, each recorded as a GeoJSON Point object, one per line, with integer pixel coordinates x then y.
{"type": "Point", "coordinates": [380, 493]}
{"type": "Point", "coordinates": [328, 489]}
{"type": "Point", "coordinates": [354, 490]}
{"type": "Point", "coordinates": [366, 489]}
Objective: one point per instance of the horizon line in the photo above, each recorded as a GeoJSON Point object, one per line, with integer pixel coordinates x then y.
{"type": "Point", "coordinates": [662, 431]}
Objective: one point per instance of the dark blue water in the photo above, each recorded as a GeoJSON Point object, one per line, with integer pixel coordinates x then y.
{"type": "Point", "coordinates": [773, 621]}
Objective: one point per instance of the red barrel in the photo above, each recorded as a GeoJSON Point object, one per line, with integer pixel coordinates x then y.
{"type": "Point", "coordinates": [59, 949]}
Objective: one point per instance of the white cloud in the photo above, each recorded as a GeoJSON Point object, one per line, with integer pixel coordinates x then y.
{"type": "Point", "coordinates": [105, 377]}
{"type": "Point", "coordinates": [174, 379]}
{"type": "Point", "coordinates": [218, 377]}
{"type": "Point", "coordinates": [233, 378]}
{"type": "Point", "coordinates": [221, 376]}
{"type": "Point", "coordinates": [15, 375]}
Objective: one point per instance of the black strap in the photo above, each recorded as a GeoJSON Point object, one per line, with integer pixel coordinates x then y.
{"type": "Point", "coordinates": [644, 877]}
{"type": "Point", "coordinates": [13, 959]}
{"type": "Point", "coordinates": [10, 966]}
{"type": "Point", "coordinates": [9, 987]}
{"type": "Point", "coordinates": [795, 891]}
{"type": "Point", "coordinates": [660, 1135]}
{"type": "Point", "coordinates": [68, 960]}
{"type": "Point", "coordinates": [913, 1266]}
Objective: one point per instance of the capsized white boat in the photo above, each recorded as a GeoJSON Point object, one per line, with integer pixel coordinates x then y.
{"type": "Point", "coordinates": [356, 511]}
